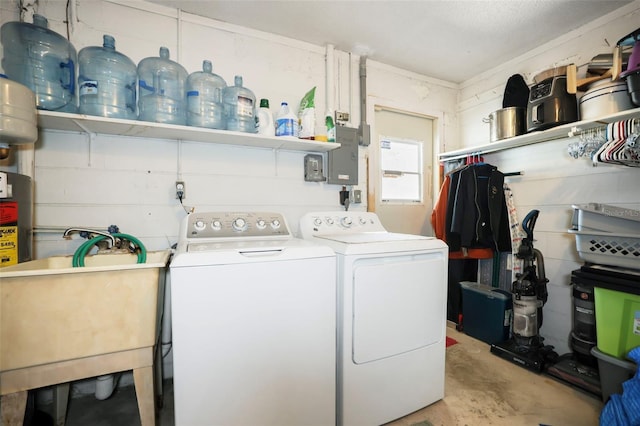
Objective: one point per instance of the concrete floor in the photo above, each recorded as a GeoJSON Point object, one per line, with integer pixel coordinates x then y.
{"type": "Point", "coordinates": [480, 389]}
{"type": "Point", "coordinates": [483, 389]}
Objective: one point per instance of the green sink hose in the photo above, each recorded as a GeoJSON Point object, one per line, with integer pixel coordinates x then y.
{"type": "Point", "coordinates": [85, 248]}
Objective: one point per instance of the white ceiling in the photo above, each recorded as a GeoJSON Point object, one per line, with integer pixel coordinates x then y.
{"type": "Point", "coordinates": [447, 39]}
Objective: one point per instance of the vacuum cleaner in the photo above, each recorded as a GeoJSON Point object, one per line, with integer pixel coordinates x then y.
{"type": "Point", "coordinates": [529, 294]}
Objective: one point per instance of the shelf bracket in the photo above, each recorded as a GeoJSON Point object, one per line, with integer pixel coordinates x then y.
{"type": "Point", "coordinates": [91, 135]}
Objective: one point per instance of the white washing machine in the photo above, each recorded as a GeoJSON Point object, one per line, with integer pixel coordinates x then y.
{"type": "Point", "coordinates": [254, 323]}
{"type": "Point", "coordinates": [391, 316]}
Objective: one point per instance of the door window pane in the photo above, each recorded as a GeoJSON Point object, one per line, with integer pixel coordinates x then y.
{"type": "Point", "coordinates": [401, 170]}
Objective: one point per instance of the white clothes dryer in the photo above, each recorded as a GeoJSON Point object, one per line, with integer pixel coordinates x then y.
{"type": "Point", "coordinates": [391, 316]}
{"type": "Point", "coordinates": [254, 323]}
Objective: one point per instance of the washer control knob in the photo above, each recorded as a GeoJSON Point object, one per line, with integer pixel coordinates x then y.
{"type": "Point", "coordinates": [216, 225]}
{"type": "Point", "coordinates": [363, 221]}
{"type": "Point", "coordinates": [199, 225]}
{"type": "Point", "coordinates": [275, 224]}
{"type": "Point", "coordinates": [346, 221]}
{"type": "Point", "coordinates": [330, 221]}
{"type": "Point", "coordinates": [317, 221]}
{"type": "Point", "coordinates": [239, 224]}
{"type": "Point", "coordinates": [261, 224]}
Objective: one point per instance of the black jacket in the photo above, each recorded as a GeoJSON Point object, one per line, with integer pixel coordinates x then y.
{"type": "Point", "coordinates": [478, 209]}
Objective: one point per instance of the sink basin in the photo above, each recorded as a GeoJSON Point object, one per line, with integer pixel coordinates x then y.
{"type": "Point", "coordinates": [51, 312]}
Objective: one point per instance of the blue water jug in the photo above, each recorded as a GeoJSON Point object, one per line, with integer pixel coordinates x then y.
{"type": "Point", "coordinates": [42, 60]}
{"type": "Point", "coordinates": [204, 98]}
{"type": "Point", "coordinates": [106, 82]}
{"type": "Point", "coordinates": [239, 107]}
{"type": "Point", "coordinates": [161, 90]}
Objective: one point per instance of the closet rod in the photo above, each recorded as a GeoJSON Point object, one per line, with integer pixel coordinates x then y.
{"type": "Point", "coordinates": [513, 174]}
{"type": "Point", "coordinates": [577, 131]}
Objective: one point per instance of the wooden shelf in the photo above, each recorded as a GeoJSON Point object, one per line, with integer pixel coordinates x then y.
{"type": "Point", "coordinates": [559, 132]}
{"type": "Point", "coordinates": [50, 120]}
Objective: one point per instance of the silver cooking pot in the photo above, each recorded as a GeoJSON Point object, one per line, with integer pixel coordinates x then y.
{"type": "Point", "coordinates": [506, 123]}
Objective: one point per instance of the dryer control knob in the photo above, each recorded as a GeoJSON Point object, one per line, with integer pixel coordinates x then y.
{"type": "Point", "coordinates": [261, 224]}
{"type": "Point", "coordinates": [275, 224]}
{"type": "Point", "coordinates": [329, 220]}
{"type": "Point", "coordinates": [363, 221]}
{"type": "Point", "coordinates": [346, 221]}
{"type": "Point", "coordinates": [317, 221]}
{"type": "Point", "coordinates": [216, 225]}
{"type": "Point", "coordinates": [199, 225]}
{"type": "Point", "coordinates": [239, 224]}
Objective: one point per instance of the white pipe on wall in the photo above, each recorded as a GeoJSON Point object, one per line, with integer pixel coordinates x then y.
{"type": "Point", "coordinates": [330, 73]}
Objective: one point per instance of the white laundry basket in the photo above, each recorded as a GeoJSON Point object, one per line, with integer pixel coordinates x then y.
{"type": "Point", "coordinates": [605, 218]}
{"type": "Point", "coordinates": [608, 248]}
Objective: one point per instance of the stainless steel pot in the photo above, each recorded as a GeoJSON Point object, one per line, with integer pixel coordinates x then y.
{"type": "Point", "coordinates": [506, 123]}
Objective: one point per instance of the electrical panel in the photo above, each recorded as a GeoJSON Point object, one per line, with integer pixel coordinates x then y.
{"type": "Point", "coordinates": [342, 163]}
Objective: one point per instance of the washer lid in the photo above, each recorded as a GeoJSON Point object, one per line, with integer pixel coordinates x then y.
{"type": "Point", "coordinates": [208, 253]}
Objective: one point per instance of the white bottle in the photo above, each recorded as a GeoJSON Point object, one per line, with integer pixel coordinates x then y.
{"type": "Point", "coordinates": [265, 119]}
{"type": "Point", "coordinates": [286, 122]}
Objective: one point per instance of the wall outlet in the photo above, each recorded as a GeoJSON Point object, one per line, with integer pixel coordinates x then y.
{"type": "Point", "coordinates": [342, 117]}
{"type": "Point", "coordinates": [181, 193]}
{"type": "Point", "coordinates": [357, 196]}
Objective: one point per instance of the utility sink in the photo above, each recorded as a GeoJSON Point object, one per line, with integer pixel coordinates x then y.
{"type": "Point", "coordinates": [52, 312]}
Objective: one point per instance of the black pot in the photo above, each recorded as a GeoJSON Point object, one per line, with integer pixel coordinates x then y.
{"type": "Point", "coordinates": [633, 86]}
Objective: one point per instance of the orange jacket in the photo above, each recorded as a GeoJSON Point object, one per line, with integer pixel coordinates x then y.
{"type": "Point", "coordinates": [439, 221]}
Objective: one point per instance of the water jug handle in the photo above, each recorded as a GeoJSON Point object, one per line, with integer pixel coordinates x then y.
{"type": "Point", "coordinates": [143, 85]}
{"type": "Point", "coordinates": [131, 99]}
{"type": "Point", "coordinates": [72, 76]}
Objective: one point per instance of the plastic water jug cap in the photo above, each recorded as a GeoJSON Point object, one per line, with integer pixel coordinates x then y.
{"type": "Point", "coordinates": [40, 21]}
{"type": "Point", "coordinates": [164, 52]}
{"type": "Point", "coordinates": [206, 66]}
{"type": "Point", "coordinates": [238, 80]}
{"type": "Point", "coordinates": [108, 42]}
{"type": "Point", "coordinates": [264, 103]}
{"type": "Point", "coordinates": [284, 104]}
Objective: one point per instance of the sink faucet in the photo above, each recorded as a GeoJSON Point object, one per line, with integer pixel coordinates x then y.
{"type": "Point", "coordinates": [68, 232]}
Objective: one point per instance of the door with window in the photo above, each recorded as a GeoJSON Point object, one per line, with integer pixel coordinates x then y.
{"type": "Point", "coordinates": [401, 170]}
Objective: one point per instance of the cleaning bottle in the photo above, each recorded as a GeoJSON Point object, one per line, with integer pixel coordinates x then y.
{"type": "Point", "coordinates": [331, 128]}
{"type": "Point", "coordinates": [286, 122]}
{"type": "Point", "coordinates": [265, 119]}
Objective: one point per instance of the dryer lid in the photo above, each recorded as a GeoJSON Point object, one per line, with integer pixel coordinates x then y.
{"type": "Point", "coordinates": [372, 237]}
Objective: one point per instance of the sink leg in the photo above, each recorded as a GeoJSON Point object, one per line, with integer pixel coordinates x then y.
{"type": "Point", "coordinates": [60, 400]}
{"type": "Point", "coordinates": [13, 407]}
{"type": "Point", "coordinates": [143, 380]}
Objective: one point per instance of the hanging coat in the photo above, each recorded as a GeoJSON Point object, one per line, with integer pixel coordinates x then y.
{"type": "Point", "coordinates": [479, 213]}
{"type": "Point", "coordinates": [441, 222]}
